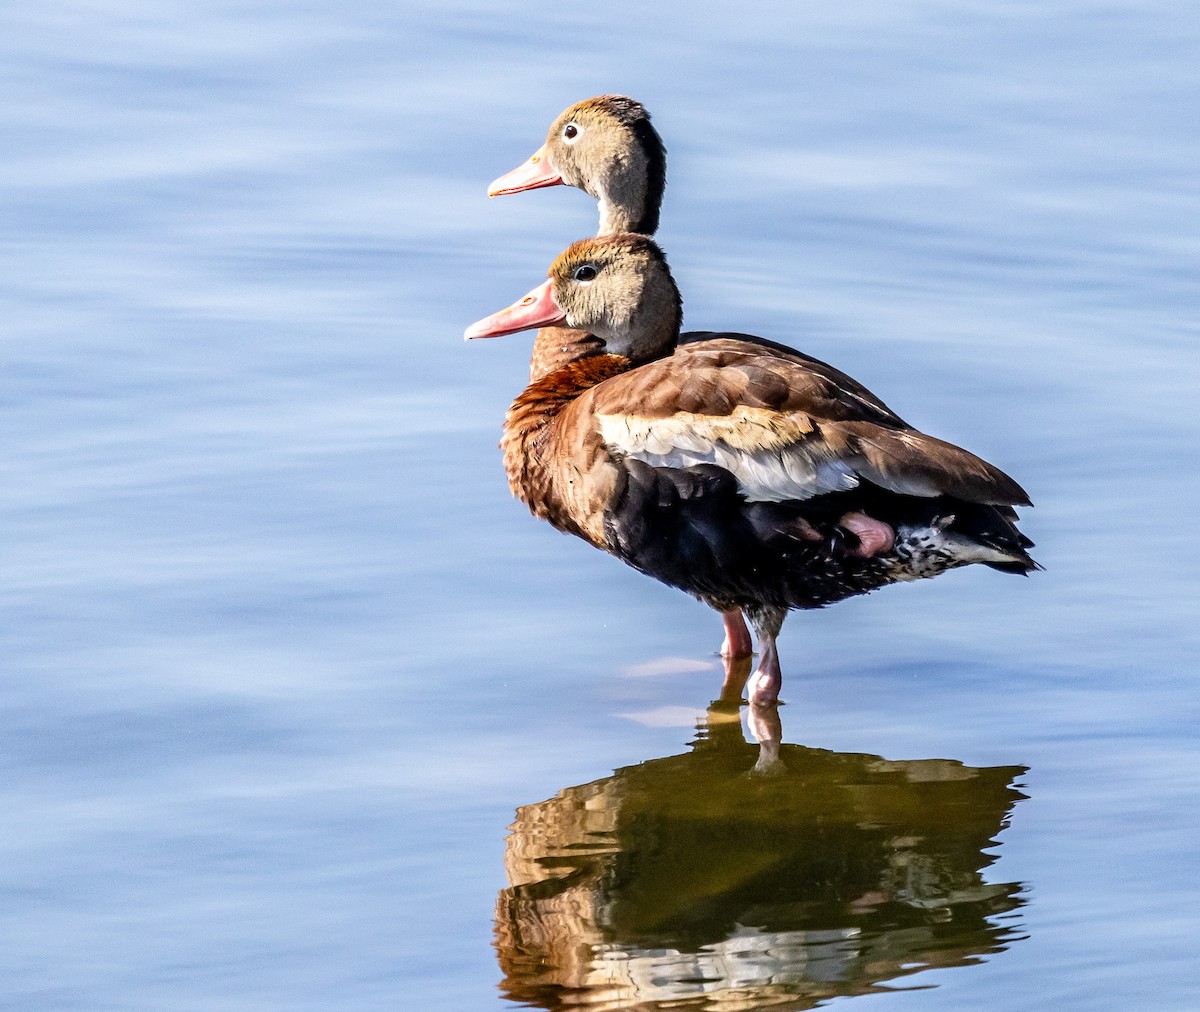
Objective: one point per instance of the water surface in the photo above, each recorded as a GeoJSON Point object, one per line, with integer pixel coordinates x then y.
{"type": "Point", "coordinates": [283, 661]}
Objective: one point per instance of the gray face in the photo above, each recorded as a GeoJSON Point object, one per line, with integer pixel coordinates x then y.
{"type": "Point", "coordinates": [620, 292]}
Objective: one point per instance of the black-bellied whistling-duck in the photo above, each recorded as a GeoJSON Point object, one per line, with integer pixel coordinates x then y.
{"type": "Point", "coordinates": [724, 467]}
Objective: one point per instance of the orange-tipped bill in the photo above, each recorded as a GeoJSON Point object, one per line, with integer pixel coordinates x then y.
{"type": "Point", "coordinates": [537, 309]}
{"type": "Point", "coordinates": [530, 175]}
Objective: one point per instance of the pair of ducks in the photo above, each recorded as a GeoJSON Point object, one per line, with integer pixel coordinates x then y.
{"type": "Point", "coordinates": [752, 476]}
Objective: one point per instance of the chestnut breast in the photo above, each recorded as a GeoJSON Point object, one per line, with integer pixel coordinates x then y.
{"type": "Point", "coordinates": [554, 455]}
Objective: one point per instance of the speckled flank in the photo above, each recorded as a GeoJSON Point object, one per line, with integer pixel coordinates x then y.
{"type": "Point", "coordinates": [923, 552]}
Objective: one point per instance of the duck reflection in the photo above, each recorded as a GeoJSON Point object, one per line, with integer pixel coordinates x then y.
{"type": "Point", "coordinates": [743, 877]}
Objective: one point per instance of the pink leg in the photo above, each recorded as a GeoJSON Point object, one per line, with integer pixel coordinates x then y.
{"type": "Point", "coordinates": [874, 536]}
{"type": "Point", "coordinates": [737, 645]}
{"type": "Point", "coordinates": [767, 680]}
{"type": "Point", "coordinates": [765, 683]}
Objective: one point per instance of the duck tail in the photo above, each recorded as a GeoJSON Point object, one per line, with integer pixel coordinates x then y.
{"type": "Point", "coordinates": [995, 528]}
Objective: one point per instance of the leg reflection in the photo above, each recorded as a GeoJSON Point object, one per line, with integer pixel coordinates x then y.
{"type": "Point", "coordinates": [737, 671]}
{"type": "Point", "coordinates": [766, 726]}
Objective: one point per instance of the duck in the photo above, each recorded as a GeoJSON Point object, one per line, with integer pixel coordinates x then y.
{"type": "Point", "coordinates": [608, 147]}
{"type": "Point", "coordinates": [724, 466]}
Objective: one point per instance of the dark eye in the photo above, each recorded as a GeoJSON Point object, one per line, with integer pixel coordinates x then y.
{"type": "Point", "coordinates": [584, 272]}
{"type": "Point", "coordinates": [570, 131]}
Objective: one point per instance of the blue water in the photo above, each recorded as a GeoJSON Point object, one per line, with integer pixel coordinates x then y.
{"type": "Point", "coordinates": [282, 658]}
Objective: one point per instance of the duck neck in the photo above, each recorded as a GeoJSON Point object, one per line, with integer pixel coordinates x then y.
{"type": "Point", "coordinates": [557, 347]}
{"type": "Point", "coordinates": [627, 213]}
{"type": "Point", "coordinates": [630, 197]}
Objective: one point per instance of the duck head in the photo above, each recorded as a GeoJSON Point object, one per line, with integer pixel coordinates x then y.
{"type": "Point", "coordinates": [617, 288]}
{"type": "Point", "coordinates": [606, 147]}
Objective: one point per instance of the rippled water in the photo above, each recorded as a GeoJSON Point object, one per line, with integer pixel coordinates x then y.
{"type": "Point", "coordinates": [283, 661]}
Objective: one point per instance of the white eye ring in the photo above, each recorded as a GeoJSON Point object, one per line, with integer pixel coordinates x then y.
{"type": "Point", "coordinates": [572, 132]}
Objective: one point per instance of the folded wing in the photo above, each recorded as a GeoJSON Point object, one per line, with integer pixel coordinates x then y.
{"type": "Point", "coordinates": [787, 427]}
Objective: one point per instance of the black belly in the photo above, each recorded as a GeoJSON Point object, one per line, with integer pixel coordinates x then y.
{"type": "Point", "coordinates": [691, 528]}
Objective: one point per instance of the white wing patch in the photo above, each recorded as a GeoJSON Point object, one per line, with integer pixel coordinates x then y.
{"type": "Point", "coordinates": [774, 457]}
